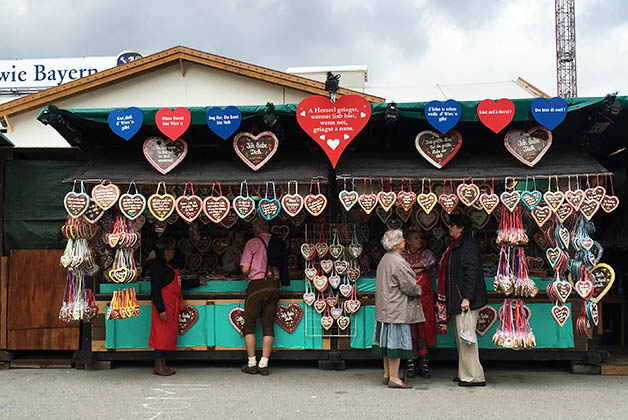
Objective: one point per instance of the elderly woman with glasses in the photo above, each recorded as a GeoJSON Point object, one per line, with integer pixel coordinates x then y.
{"type": "Point", "coordinates": [397, 306]}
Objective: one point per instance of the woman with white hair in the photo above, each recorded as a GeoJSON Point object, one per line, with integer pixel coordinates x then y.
{"type": "Point", "coordinates": [397, 306]}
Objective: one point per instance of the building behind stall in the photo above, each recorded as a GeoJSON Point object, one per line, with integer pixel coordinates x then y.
{"type": "Point", "coordinates": [60, 134]}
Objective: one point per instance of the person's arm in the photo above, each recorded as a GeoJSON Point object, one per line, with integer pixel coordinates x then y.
{"type": "Point", "coordinates": [157, 280]}
{"type": "Point", "coordinates": [428, 260]}
{"type": "Point", "coordinates": [190, 283]}
{"type": "Point", "coordinates": [230, 260]}
{"type": "Point", "coordinates": [247, 257]}
{"type": "Point", "coordinates": [405, 277]}
{"type": "Point", "coordinates": [471, 271]}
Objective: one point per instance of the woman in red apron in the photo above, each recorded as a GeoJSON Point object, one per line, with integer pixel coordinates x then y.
{"type": "Point", "coordinates": [167, 300]}
{"type": "Point", "coordinates": [421, 260]}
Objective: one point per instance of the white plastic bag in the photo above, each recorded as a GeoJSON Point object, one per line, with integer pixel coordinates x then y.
{"type": "Point", "coordinates": [467, 328]}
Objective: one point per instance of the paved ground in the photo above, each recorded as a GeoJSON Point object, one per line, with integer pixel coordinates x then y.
{"type": "Point", "coordinates": [200, 391]}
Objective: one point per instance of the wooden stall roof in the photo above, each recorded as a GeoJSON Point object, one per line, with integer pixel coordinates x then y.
{"type": "Point", "coordinates": [203, 170]}
{"type": "Point", "coordinates": [180, 55]}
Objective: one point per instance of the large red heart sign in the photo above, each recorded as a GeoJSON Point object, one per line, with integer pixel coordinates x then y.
{"type": "Point", "coordinates": [333, 125]}
{"type": "Point", "coordinates": [173, 123]}
{"type": "Point", "coordinates": [496, 115]}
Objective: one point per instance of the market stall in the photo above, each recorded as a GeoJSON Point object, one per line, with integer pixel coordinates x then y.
{"type": "Point", "coordinates": [332, 217]}
{"type": "Point", "coordinates": [150, 158]}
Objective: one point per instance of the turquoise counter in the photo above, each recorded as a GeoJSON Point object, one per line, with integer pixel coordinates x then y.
{"type": "Point", "coordinates": [548, 334]}
{"type": "Point", "coordinates": [364, 285]}
{"type": "Point", "coordinates": [211, 329]}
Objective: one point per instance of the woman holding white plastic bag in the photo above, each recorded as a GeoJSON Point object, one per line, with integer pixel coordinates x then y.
{"type": "Point", "coordinates": [462, 281]}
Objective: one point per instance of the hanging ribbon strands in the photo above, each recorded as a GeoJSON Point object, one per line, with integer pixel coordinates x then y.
{"type": "Point", "coordinates": [427, 201]}
{"type": "Point", "coordinates": [244, 205]}
{"type": "Point", "coordinates": [386, 199]}
{"type": "Point", "coordinates": [189, 207]}
{"type": "Point", "coordinates": [216, 208]}
{"type": "Point", "coordinates": [292, 204]}
{"type": "Point", "coordinates": [355, 249]}
{"type": "Point", "coordinates": [308, 250]}
{"type": "Point", "coordinates": [321, 246]}
{"type": "Point", "coordinates": [406, 199]}
{"type": "Point", "coordinates": [315, 203]}
{"type": "Point", "coordinates": [531, 198]}
{"type": "Point", "coordinates": [77, 228]}
{"type": "Point", "coordinates": [510, 197]}
{"type": "Point", "coordinates": [593, 197]}
{"type": "Point", "coordinates": [269, 208]}
{"type": "Point", "coordinates": [489, 200]}
{"type": "Point", "coordinates": [78, 257]}
{"type": "Point", "coordinates": [123, 304]}
{"type": "Point", "coordinates": [368, 201]}
{"type": "Point", "coordinates": [512, 274]}
{"type": "Point", "coordinates": [348, 199]}
{"type": "Point", "coordinates": [468, 193]}
{"type": "Point", "coordinates": [79, 303]}
{"type": "Point", "coordinates": [161, 206]}
{"type": "Point", "coordinates": [105, 195]}
{"type": "Point", "coordinates": [511, 231]}
{"type": "Point", "coordinates": [308, 296]}
{"type": "Point", "coordinates": [448, 201]}
{"type": "Point", "coordinates": [76, 201]}
{"type": "Point", "coordinates": [513, 331]}
{"type": "Point", "coordinates": [132, 205]}
{"type": "Point", "coordinates": [584, 327]}
{"type": "Point", "coordinates": [336, 249]}
{"type": "Point", "coordinates": [124, 269]}
{"type": "Point", "coordinates": [609, 202]}
{"type": "Point", "coordinates": [124, 234]}
{"type": "Point", "coordinates": [574, 197]}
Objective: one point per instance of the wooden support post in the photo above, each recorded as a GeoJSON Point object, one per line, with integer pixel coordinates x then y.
{"type": "Point", "coordinates": [4, 283]}
{"type": "Point", "coordinates": [182, 68]}
{"type": "Point", "coordinates": [9, 126]}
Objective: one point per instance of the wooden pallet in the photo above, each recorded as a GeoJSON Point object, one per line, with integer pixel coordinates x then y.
{"type": "Point", "coordinates": [41, 364]}
{"type": "Point", "coordinates": [616, 365]}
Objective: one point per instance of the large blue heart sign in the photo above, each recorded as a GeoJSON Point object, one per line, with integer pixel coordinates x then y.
{"type": "Point", "coordinates": [125, 123]}
{"type": "Point", "coordinates": [443, 116]}
{"type": "Point", "coordinates": [224, 122]}
{"type": "Point", "coordinates": [549, 112]}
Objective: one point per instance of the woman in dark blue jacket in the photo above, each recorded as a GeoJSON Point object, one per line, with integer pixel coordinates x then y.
{"type": "Point", "coordinates": [465, 291]}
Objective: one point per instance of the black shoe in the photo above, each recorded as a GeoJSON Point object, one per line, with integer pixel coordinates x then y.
{"type": "Point", "coordinates": [463, 383]}
{"type": "Point", "coordinates": [423, 368]}
{"type": "Point", "coordinates": [251, 370]}
{"type": "Point", "coordinates": [263, 371]}
{"type": "Point", "coordinates": [411, 369]}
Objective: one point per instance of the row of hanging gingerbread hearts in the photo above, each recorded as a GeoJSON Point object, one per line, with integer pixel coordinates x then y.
{"type": "Point", "coordinates": [587, 201]}
{"type": "Point", "coordinates": [189, 207]}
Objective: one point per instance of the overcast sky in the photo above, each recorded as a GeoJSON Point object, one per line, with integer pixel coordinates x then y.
{"type": "Point", "coordinates": [404, 43]}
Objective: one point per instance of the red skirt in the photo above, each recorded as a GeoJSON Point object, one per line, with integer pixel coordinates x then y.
{"type": "Point", "coordinates": [427, 303]}
{"type": "Point", "coordinates": [164, 335]}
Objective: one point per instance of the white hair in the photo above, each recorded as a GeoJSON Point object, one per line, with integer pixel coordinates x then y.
{"type": "Point", "coordinates": [391, 239]}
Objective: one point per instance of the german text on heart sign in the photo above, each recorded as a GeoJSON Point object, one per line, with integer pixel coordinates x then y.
{"type": "Point", "coordinates": [549, 112]}
{"type": "Point", "coordinates": [125, 123]}
{"type": "Point", "coordinates": [333, 125]}
{"type": "Point", "coordinates": [443, 116]}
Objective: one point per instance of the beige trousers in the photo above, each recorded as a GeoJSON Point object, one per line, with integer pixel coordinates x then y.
{"type": "Point", "coordinates": [469, 367]}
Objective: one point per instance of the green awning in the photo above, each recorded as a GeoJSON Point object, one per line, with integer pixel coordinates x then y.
{"type": "Point", "coordinates": [407, 110]}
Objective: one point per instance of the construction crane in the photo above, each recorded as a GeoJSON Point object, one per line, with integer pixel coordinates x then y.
{"type": "Point", "coordinates": [566, 81]}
